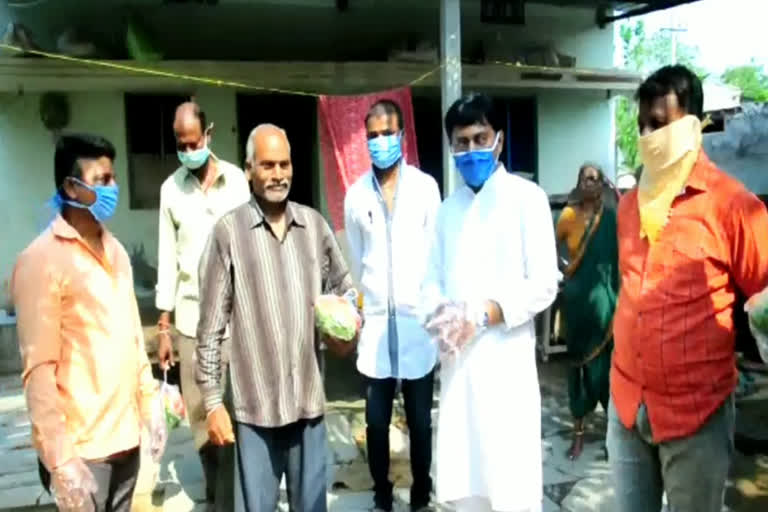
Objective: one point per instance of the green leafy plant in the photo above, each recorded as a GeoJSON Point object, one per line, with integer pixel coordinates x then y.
{"type": "Point", "coordinates": [751, 79]}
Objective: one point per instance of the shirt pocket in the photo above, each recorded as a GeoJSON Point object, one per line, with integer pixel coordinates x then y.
{"type": "Point", "coordinates": [690, 262]}
{"type": "Point", "coordinates": [373, 227]}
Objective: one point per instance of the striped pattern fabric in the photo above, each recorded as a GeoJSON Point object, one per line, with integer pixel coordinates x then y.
{"type": "Point", "coordinates": [265, 290]}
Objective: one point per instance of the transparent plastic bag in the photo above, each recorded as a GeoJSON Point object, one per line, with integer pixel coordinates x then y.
{"type": "Point", "coordinates": [157, 426]}
{"type": "Point", "coordinates": [173, 404]}
{"type": "Point", "coordinates": [757, 311]}
{"type": "Point", "coordinates": [338, 317]}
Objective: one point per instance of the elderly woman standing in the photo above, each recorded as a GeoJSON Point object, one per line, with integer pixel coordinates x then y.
{"type": "Point", "coordinates": [587, 226]}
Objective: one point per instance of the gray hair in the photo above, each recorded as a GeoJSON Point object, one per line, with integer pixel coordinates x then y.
{"type": "Point", "coordinates": [590, 165]}
{"type": "Point", "coordinates": [249, 145]}
{"type": "Point", "coordinates": [609, 194]}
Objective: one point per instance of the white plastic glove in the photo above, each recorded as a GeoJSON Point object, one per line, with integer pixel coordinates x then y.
{"type": "Point", "coordinates": [453, 325]}
{"type": "Point", "coordinates": [158, 429]}
{"type": "Point", "coordinates": [72, 487]}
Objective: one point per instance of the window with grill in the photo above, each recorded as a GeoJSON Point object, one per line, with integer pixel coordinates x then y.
{"type": "Point", "coordinates": [151, 145]}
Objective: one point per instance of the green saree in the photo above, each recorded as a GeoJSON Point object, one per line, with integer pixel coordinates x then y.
{"type": "Point", "coordinates": [589, 297]}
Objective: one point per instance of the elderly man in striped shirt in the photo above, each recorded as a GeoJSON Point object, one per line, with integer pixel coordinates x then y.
{"type": "Point", "coordinates": [264, 265]}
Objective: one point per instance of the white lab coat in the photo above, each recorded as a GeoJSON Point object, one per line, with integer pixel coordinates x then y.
{"type": "Point", "coordinates": [373, 262]}
{"type": "Point", "coordinates": [496, 245]}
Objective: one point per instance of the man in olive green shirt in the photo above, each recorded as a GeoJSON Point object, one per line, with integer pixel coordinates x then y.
{"type": "Point", "coordinates": [192, 199]}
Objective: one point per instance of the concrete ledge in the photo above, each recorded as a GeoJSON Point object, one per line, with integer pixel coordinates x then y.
{"type": "Point", "coordinates": [10, 358]}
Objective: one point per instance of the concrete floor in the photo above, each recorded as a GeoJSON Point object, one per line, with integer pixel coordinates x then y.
{"type": "Point", "coordinates": [578, 486]}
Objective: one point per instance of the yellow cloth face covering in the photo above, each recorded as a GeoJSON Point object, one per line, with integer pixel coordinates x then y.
{"type": "Point", "coordinates": [668, 155]}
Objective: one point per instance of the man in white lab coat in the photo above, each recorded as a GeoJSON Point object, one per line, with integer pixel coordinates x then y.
{"type": "Point", "coordinates": [389, 220]}
{"type": "Point", "coordinates": [493, 269]}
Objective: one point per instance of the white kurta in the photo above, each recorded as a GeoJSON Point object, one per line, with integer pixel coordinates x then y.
{"type": "Point", "coordinates": [496, 245]}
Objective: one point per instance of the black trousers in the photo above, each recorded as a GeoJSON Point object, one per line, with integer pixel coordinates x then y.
{"type": "Point", "coordinates": [115, 477]}
{"type": "Point", "coordinates": [417, 395]}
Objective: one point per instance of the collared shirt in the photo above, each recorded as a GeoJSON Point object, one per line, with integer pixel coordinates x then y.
{"type": "Point", "coordinates": [187, 216]}
{"type": "Point", "coordinates": [265, 290]}
{"type": "Point", "coordinates": [674, 329]}
{"type": "Point", "coordinates": [86, 375]}
{"type": "Point", "coordinates": [388, 254]}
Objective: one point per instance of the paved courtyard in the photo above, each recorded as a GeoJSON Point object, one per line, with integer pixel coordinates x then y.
{"type": "Point", "coordinates": [568, 486]}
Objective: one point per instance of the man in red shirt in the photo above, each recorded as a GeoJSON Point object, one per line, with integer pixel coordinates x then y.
{"type": "Point", "coordinates": [691, 239]}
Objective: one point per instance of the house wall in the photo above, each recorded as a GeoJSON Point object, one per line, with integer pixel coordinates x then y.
{"type": "Point", "coordinates": [576, 126]}
{"type": "Point", "coordinates": [26, 171]}
{"type": "Point", "coordinates": [572, 126]}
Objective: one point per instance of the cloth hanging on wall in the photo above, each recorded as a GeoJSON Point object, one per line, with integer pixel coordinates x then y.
{"type": "Point", "coordinates": [343, 142]}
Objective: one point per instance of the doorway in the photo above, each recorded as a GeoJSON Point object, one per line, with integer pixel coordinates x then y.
{"type": "Point", "coordinates": [297, 115]}
{"type": "Point", "coordinates": [516, 116]}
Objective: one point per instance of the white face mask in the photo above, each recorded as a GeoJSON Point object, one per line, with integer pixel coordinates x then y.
{"type": "Point", "coordinates": [668, 145]}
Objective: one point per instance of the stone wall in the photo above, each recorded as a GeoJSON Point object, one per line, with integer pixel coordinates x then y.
{"type": "Point", "coordinates": [742, 149]}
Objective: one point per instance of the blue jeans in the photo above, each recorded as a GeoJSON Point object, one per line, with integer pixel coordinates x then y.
{"type": "Point", "coordinates": [264, 454]}
{"type": "Point", "coordinates": [691, 470]}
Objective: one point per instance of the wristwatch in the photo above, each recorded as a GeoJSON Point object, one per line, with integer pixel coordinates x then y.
{"type": "Point", "coordinates": [482, 319]}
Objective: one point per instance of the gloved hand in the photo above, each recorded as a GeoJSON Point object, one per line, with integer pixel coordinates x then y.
{"type": "Point", "coordinates": [157, 428]}
{"type": "Point", "coordinates": [219, 425]}
{"type": "Point", "coordinates": [72, 486]}
{"type": "Point", "coordinates": [453, 325]}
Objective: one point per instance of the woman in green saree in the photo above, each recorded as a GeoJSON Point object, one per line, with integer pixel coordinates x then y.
{"type": "Point", "coordinates": [587, 226]}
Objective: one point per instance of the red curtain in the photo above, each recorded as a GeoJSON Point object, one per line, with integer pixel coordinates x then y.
{"type": "Point", "coordinates": [344, 144]}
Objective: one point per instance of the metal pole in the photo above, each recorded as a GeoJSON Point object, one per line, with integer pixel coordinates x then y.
{"type": "Point", "coordinates": [674, 47]}
{"type": "Point", "coordinates": [675, 28]}
{"type": "Point", "coordinates": [450, 77]}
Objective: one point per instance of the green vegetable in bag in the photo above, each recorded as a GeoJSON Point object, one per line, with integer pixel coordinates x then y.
{"type": "Point", "coordinates": [337, 317]}
{"type": "Point", "coordinates": [757, 310]}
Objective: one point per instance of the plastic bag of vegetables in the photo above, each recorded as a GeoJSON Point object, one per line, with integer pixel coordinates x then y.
{"type": "Point", "coordinates": [338, 321]}
{"type": "Point", "coordinates": [173, 404]}
{"type": "Point", "coordinates": [757, 311]}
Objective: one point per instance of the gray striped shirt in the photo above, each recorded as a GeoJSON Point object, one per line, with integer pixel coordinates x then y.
{"type": "Point", "coordinates": [265, 290]}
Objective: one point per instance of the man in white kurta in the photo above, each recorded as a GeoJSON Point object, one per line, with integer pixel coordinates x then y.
{"type": "Point", "coordinates": [495, 257]}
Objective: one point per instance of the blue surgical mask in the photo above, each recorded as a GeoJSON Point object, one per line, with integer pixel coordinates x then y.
{"type": "Point", "coordinates": [476, 166]}
{"type": "Point", "coordinates": [194, 159]}
{"type": "Point", "coordinates": [385, 150]}
{"type": "Point", "coordinates": [105, 205]}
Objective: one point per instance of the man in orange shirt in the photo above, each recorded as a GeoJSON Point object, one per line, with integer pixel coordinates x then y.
{"type": "Point", "coordinates": [87, 379]}
{"type": "Point", "coordinates": [691, 240]}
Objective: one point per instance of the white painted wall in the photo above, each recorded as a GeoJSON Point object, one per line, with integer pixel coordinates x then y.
{"type": "Point", "coordinates": [26, 164]}
{"type": "Point", "coordinates": [573, 127]}
{"type": "Point", "coordinates": [569, 30]}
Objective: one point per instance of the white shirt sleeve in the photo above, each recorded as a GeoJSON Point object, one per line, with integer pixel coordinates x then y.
{"type": "Point", "coordinates": [243, 187]}
{"type": "Point", "coordinates": [433, 206]}
{"type": "Point", "coordinates": [521, 301]}
{"type": "Point", "coordinates": [354, 239]}
{"type": "Point", "coordinates": [433, 288]}
{"type": "Point", "coordinates": [167, 267]}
